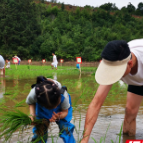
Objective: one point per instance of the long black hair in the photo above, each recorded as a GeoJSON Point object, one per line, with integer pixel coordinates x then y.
{"type": "Point", "coordinates": [39, 80]}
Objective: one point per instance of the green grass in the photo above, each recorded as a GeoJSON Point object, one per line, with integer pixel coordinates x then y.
{"type": "Point", "coordinates": [26, 71]}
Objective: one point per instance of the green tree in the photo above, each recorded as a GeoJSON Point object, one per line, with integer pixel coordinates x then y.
{"type": "Point", "coordinates": [18, 26]}
{"type": "Point", "coordinates": [139, 10]}
{"type": "Point", "coordinates": [131, 8]}
{"type": "Point", "coordinates": [62, 7]}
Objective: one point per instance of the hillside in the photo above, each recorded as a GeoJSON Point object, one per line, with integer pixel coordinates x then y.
{"type": "Point", "coordinates": [73, 8]}
{"type": "Point", "coordinates": [34, 30]}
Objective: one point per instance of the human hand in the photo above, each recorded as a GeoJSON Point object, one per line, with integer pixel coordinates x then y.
{"type": "Point", "coordinates": [32, 119]}
{"type": "Point", "coordinates": [82, 141]}
{"type": "Point", "coordinates": [55, 117]}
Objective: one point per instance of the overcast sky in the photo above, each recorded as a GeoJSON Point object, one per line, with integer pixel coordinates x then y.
{"type": "Point", "coordinates": [97, 3]}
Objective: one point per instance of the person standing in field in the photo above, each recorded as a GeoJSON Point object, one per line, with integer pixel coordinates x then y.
{"type": "Point", "coordinates": [19, 60]}
{"type": "Point", "coordinates": [8, 63]}
{"type": "Point", "coordinates": [55, 62]}
{"type": "Point", "coordinates": [2, 66]}
{"type": "Point", "coordinates": [120, 60]}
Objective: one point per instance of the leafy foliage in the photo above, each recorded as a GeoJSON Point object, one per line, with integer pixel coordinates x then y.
{"type": "Point", "coordinates": [34, 30]}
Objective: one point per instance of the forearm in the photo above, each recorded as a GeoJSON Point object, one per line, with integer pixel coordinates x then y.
{"type": "Point", "coordinates": [32, 110]}
{"type": "Point", "coordinates": [63, 114]}
{"type": "Point", "coordinates": [91, 117]}
{"type": "Point", "coordinates": [93, 110]}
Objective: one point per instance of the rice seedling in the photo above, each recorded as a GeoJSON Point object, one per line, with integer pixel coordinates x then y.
{"type": "Point", "coordinates": [78, 130]}
{"type": "Point", "coordinates": [2, 101]}
{"type": "Point", "coordinates": [7, 93]}
{"type": "Point", "coordinates": [13, 120]}
{"type": "Point", "coordinates": [10, 121]}
{"type": "Point", "coordinates": [119, 135]}
{"type": "Point", "coordinates": [21, 103]}
{"type": "Point", "coordinates": [33, 71]}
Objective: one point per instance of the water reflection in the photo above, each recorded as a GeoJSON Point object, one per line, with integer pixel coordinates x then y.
{"type": "Point", "coordinates": [2, 87]}
{"type": "Point", "coordinates": [55, 76]}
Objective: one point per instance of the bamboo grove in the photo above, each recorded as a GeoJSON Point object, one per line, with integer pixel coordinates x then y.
{"type": "Point", "coordinates": [33, 29]}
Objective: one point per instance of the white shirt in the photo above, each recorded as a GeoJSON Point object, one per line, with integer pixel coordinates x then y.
{"type": "Point", "coordinates": [136, 46]}
{"type": "Point", "coordinates": [55, 59]}
{"type": "Point", "coordinates": [2, 62]}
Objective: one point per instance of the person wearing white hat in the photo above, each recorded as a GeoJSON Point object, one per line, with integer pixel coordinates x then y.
{"type": "Point", "coordinates": [2, 66]}
{"type": "Point", "coordinates": [120, 60]}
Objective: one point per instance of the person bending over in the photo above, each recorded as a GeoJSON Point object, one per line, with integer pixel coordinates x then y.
{"type": "Point", "coordinates": [49, 101]}
{"type": "Point", "coordinates": [120, 60]}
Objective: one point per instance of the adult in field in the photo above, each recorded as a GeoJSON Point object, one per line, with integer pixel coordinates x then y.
{"type": "Point", "coordinates": [55, 62]}
{"type": "Point", "coordinates": [19, 60]}
{"type": "Point", "coordinates": [2, 66]}
{"type": "Point", "coordinates": [120, 60]}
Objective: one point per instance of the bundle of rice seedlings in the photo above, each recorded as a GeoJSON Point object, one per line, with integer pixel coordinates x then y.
{"type": "Point", "coordinates": [13, 120]}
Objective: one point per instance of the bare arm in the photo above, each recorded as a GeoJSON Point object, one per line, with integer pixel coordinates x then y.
{"type": "Point", "coordinates": [93, 110]}
{"type": "Point", "coordinates": [32, 111]}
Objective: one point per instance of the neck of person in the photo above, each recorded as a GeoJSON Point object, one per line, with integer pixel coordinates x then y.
{"type": "Point", "coordinates": [135, 64]}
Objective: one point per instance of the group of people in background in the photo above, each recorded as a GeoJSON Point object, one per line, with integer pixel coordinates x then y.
{"type": "Point", "coordinates": [6, 64]}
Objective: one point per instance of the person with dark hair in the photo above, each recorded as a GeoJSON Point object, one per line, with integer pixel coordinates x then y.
{"type": "Point", "coordinates": [120, 60]}
{"type": "Point", "coordinates": [55, 62]}
{"type": "Point", "coordinates": [49, 101]}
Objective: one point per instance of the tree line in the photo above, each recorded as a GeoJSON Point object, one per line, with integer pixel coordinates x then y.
{"type": "Point", "coordinates": [32, 29]}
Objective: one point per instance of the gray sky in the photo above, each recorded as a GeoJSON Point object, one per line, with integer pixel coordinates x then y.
{"type": "Point", "coordinates": [97, 3]}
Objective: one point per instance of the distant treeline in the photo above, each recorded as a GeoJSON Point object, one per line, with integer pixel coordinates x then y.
{"type": "Point", "coordinates": [34, 30]}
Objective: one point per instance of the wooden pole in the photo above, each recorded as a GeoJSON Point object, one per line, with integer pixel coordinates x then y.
{"type": "Point", "coordinates": [15, 66]}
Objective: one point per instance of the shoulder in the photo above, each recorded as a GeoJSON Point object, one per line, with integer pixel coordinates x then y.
{"type": "Point", "coordinates": [1, 57]}
{"type": "Point", "coordinates": [136, 43]}
{"type": "Point", "coordinates": [31, 98]}
{"type": "Point", "coordinates": [57, 83]}
{"type": "Point", "coordinates": [65, 103]}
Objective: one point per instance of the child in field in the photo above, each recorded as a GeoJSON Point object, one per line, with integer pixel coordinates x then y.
{"type": "Point", "coordinates": [8, 63]}
{"type": "Point", "coordinates": [49, 100]}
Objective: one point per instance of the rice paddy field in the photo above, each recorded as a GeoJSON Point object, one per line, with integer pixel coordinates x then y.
{"type": "Point", "coordinates": [16, 84]}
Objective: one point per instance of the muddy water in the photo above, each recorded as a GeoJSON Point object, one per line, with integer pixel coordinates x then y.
{"type": "Point", "coordinates": [82, 90]}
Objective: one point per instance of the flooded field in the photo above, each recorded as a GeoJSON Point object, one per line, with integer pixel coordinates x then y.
{"type": "Point", "coordinates": [14, 89]}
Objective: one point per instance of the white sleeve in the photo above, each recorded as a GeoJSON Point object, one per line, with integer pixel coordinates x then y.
{"type": "Point", "coordinates": [57, 83]}
{"type": "Point", "coordinates": [65, 104]}
{"type": "Point", "coordinates": [31, 98]}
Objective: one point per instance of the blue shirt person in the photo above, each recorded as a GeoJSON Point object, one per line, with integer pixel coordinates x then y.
{"type": "Point", "coordinates": [49, 100]}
